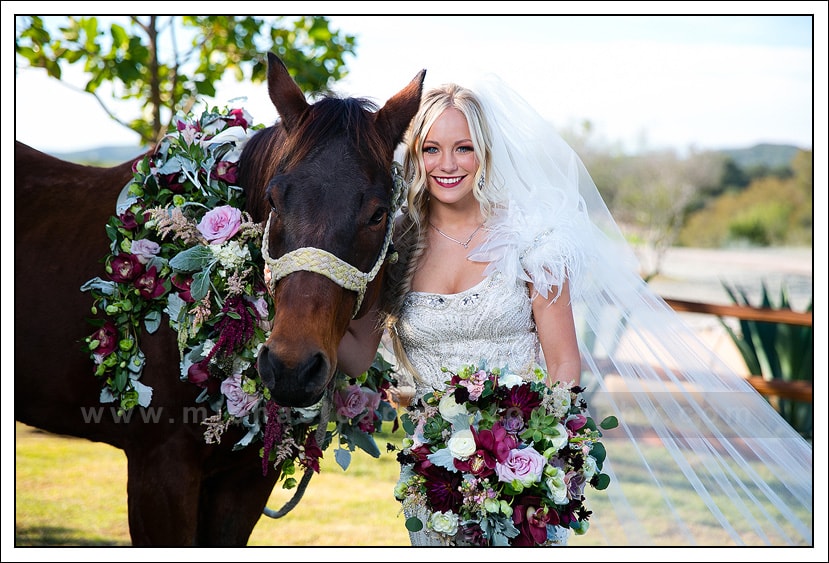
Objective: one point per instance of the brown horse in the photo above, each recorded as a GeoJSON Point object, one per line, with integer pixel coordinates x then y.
{"type": "Point", "coordinates": [326, 168]}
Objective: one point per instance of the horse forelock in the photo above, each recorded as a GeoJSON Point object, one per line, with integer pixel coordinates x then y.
{"type": "Point", "coordinates": [329, 120]}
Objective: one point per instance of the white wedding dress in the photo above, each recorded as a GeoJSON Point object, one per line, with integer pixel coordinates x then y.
{"type": "Point", "coordinates": [490, 322]}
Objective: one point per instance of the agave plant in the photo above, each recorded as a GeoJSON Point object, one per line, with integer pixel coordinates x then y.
{"type": "Point", "coordinates": [777, 351]}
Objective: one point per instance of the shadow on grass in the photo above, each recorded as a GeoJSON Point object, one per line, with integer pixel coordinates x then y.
{"type": "Point", "coordinates": [44, 536]}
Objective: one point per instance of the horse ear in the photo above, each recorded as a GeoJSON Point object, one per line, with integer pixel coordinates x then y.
{"type": "Point", "coordinates": [394, 117]}
{"type": "Point", "coordinates": [286, 96]}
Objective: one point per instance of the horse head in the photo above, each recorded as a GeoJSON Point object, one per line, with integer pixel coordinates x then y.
{"type": "Point", "coordinates": [321, 179]}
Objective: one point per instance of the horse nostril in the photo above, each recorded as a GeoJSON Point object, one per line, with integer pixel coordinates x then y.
{"type": "Point", "coordinates": [298, 386]}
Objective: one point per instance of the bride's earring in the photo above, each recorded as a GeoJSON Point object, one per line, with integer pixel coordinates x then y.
{"type": "Point", "coordinates": [481, 182]}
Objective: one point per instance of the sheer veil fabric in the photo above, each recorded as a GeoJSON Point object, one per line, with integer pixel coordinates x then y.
{"type": "Point", "coordinates": [700, 458]}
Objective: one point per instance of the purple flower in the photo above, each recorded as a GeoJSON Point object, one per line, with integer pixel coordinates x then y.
{"type": "Point", "coordinates": [532, 520]}
{"type": "Point", "coordinates": [183, 283]}
{"type": "Point", "coordinates": [523, 398]}
{"type": "Point", "coordinates": [149, 285]}
{"type": "Point", "coordinates": [225, 171]}
{"type": "Point", "coordinates": [144, 249]}
{"type": "Point", "coordinates": [239, 403]}
{"type": "Point", "coordinates": [238, 116]}
{"type": "Point", "coordinates": [125, 268]}
{"type": "Point", "coordinates": [107, 337]}
{"type": "Point", "coordinates": [199, 374]}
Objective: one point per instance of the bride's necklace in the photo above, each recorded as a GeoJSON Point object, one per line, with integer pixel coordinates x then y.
{"type": "Point", "coordinates": [453, 239]}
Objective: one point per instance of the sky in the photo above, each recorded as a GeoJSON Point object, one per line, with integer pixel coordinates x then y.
{"type": "Point", "coordinates": [642, 81]}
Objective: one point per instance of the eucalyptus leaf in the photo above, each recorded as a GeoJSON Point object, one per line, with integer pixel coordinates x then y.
{"type": "Point", "coordinates": [414, 524]}
{"type": "Point", "coordinates": [602, 481]}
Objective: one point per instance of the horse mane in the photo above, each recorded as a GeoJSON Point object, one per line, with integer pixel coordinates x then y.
{"type": "Point", "coordinates": [275, 148]}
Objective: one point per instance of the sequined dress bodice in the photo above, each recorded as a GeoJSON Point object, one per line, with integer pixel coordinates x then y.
{"type": "Point", "coordinates": [491, 321]}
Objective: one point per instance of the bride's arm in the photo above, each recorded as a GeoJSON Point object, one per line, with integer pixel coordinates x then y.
{"type": "Point", "coordinates": [359, 345]}
{"type": "Point", "coordinates": [557, 335]}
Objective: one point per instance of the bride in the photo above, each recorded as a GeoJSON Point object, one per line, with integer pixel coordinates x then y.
{"type": "Point", "coordinates": [508, 253]}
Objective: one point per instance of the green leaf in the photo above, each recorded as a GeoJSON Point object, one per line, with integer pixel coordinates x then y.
{"type": "Point", "coordinates": [602, 481]}
{"type": "Point", "coordinates": [609, 422]}
{"type": "Point", "coordinates": [599, 452]}
{"type": "Point", "coordinates": [152, 321]}
{"type": "Point", "coordinates": [200, 285]}
{"type": "Point", "coordinates": [193, 259]}
{"type": "Point", "coordinates": [407, 423]}
{"type": "Point", "coordinates": [413, 524]}
{"type": "Point", "coordinates": [343, 457]}
{"type": "Point", "coordinates": [365, 442]}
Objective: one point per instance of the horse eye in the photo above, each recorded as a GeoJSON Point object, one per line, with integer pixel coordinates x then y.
{"type": "Point", "coordinates": [270, 201]}
{"type": "Point", "coordinates": [378, 216]}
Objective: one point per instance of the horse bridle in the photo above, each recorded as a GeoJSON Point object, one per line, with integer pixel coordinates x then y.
{"type": "Point", "coordinates": [317, 260]}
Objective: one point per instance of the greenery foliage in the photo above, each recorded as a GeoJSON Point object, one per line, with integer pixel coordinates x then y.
{"type": "Point", "coordinates": [770, 211]}
{"type": "Point", "coordinates": [780, 351]}
{"type": "Point", "coordinates": [167, 63]}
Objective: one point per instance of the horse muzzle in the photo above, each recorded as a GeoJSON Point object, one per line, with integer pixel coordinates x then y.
{"type": "Point", "coordinates": [300, 384]}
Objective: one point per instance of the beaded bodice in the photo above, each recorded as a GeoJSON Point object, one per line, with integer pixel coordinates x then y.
{"type": "Point", "coordinates": [491, 321]}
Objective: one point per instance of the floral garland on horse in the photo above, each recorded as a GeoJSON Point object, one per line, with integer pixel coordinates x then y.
{"type": "Point", "coordinates": [181, 246]}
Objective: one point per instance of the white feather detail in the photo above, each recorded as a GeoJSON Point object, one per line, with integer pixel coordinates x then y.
{"type": "Point", "coordinates": [546, 247]}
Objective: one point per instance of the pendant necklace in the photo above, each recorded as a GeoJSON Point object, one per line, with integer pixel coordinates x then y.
{"type": "Point", "coordinates": [453, 239]}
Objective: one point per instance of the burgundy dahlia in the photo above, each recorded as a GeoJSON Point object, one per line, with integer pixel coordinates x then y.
{"type": "Point", "coordinates": [521, 397]}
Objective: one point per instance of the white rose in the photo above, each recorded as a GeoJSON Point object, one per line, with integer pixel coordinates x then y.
{"type": "Point", "coordinates": [449, 409]}
{"type": "Point", "coordinates": [462, 444]}
{"type": "Point", "coordinates": [509, 380]}
{"type": "Point", "coordinates": [589, 467]}
{"type": "Point", "coordinates": [556, 484]}
{"type": "Point", "coordinates": [444, 522]}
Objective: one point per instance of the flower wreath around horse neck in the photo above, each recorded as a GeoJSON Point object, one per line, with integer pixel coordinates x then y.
{"type": "Point", "coordinates": [182, 246]}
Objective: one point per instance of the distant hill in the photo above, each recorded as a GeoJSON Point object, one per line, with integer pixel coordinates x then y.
{"type": "Point", "coordinates": [102, 156]}
{"type": "Point", "coordinates": [768, 155]}
{"type": "Point", "coordinates": [771, 156]}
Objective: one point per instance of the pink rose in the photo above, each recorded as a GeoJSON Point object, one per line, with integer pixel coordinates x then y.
{"type": "Point", "coordinates": [239, 403]}
{"type": "Point", "coordinates": [220, 224]}
{"type": "Point", "coordinates": [350, 402]}
{"type": "Point", "coordinates": [525, 465]}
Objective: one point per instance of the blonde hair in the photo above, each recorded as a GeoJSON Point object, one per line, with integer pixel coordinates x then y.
{"type": "Point", "coordinates": [410, 241]}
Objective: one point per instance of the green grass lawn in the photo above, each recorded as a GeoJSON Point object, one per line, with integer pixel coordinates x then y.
{"type": "Point", "coordinates": [72, 492]}
{"type": "Point", "coordinates": [56, 506]}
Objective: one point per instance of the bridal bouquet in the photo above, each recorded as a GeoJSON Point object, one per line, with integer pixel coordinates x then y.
{"type": "Point", "coordinates": [496, 460]}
